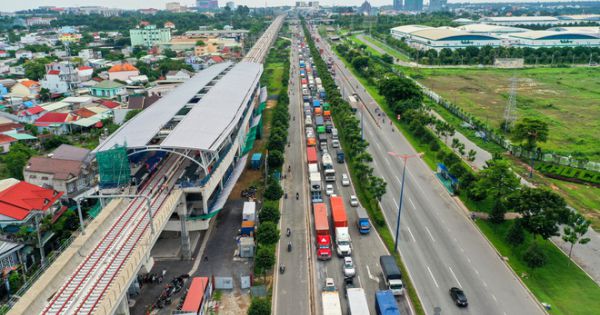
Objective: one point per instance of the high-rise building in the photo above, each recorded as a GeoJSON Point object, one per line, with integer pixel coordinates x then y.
{"type": "Point", "coordinates": [149, 36]}
{"type": "Point", "coordinates": [365, 8]}
{"type": "Point", "coordinates": [437, 5]}
{"type": "Point", "coordinates": [397, 5]}
{"type": "Point", "coordinates": [413, 5]}
{"type": "Point", "coordinates": [207, 5]}
{"type": "Point", "coordinates": [173, 6]}
{"type": "Point", "coordinates": [230, 5]}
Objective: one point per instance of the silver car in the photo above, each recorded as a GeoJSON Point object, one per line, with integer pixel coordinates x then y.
{"type": "Point", "coordinates": [349, 270]}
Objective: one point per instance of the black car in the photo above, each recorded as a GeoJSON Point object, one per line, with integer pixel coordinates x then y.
{"type": "Point", "coordinates": [459, 297]}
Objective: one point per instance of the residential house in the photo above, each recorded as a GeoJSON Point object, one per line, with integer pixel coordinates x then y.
{"type": "Point", "coordinates": [122, 72]}
{"type": "Point", "coordinates": [85, 73]}
{"type": "Point", "coordinates": [141, 101]}
{"type": "Point", "coordinates": [18, 71]}
{"type": "Point", "coordinates": [109, 104]}
{"type": "Point", "coordinates": [31, 114]}
{"type": "Point", "coordinates": [8, 126]}
{"type": "Point", "coordinates": [180, 75]}
{"type": "Point", "coordinates": [215, 59]}
{"type": "Point", "coordinates": [20, 204]}
{"type": "Point", "coordinates": [169, 24]}
{"type": "Point", "coordinates": [6, 142]}
{"type": "Point", "coordinates": [56, 123]}
{"type": "Point", "coordinates": [25, 89]}
{"type": "Point", "coordinates": [61, 77]}
{"type": "Point", "coordinates": [53, 82]}
{"type": "Point", "coordinates": [86, 54]}
{"type": "Point", "coordinates": [23, 54]}
{"type": "Point", "coordinates": [107, 89]}
{"type": "Point", "coordinates": [68, 169]}
{"type": "Point", "coordinates": [4, 54]}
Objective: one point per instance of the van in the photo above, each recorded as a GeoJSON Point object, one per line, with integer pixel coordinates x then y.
{"type": "Point", "coordinates": [304, 91]}
{"type": "Point", "coordinates": [308, 120]}
{"type": "Point", "coordinates": [335, 143]}
{"type": "Point", "coordinates": [334, 133]}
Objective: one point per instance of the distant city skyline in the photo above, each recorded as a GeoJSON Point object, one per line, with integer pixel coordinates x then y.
{"type": "Point", "coordinates": [160, 4]}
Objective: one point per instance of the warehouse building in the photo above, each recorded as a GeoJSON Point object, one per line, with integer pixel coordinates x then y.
{"type": "Point", "coordinates": [522, 20]}
{"type": "Point", "coordinates": [538, 39]}
{"type": "Point", "coordinates": [425, 38]}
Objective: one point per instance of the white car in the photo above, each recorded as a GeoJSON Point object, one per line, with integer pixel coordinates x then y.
{"type": "Point", "coordinates": [353, 201]}
{"type": "Point", "coordinates": [349, 270]}
{"type": "Point", "coordinates": [345, 180]}
{"type": "Point", "coordinates": [329, 189]}
{"type": "Point", "coordinates": [335, 143]}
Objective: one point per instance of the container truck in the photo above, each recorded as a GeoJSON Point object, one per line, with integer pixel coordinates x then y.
{"type": "Point", "coordinates": [249, 211]}
{"type": "Point", "coordinates": [363, 224]}
{"type": "Point", "coordinates": [313, 168]}
{"type": "Point", "coordinates": [391, 274]}
{"type": "Point", "coordinates": [315, 181]}
{"type": "Point", "coordinates": [311, 142]}
{"type": "Point", "coordinates": [311, 155]}
{"type": "Point", "coordinates": [340, 225]}
{"type": "Point", "coordinates": [385, 303]}
{"type": "Point", "coordinates": [322, 236]}
{"type": "Point", "coordinates": [330, 298]}
{"type": "Point", "coordinates": [357, 302]}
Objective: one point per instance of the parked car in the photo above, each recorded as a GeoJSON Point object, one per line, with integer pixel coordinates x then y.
{"type": "Point", "coordinates": [345, 180]}
{"type": "Point", "coordinates": [349, 270]}
{"type": "Point", "coordinates": [459, 297]}
{"type": "Point", "coordinates": [329, 189]}
{"type": "Point", "coordinates": [353, 201]}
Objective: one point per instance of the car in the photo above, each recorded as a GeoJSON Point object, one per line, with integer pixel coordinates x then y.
{"type": "Point", "coordinates": [335, 143]}
{"type": "Point", "coordinates": [353, 201]}
{"type": "Point", "coordinates": [349, 270]}
{"type": "Point", "coordinates": [458, 296]}
{"type": "Point", "coordinates": [345, 180]}
{"type": "Point", "coordinates": [329, 189]}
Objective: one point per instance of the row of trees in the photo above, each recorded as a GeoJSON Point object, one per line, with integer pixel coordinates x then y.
{"type": "Point", "coordinates": [355, 146]}
{"type": "Point", "coordinates": [541, 212]}
{"type": "Point", "coordinates": [486, 55]}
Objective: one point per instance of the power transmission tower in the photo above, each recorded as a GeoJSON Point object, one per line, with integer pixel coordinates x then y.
{"type": "Point", "coordinates": [510, 111]}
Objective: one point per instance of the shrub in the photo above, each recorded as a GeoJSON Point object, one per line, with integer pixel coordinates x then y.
{"type": "Point", "coordinates": [516, 234]}
{"type": "Point", "coordinates": [273, 191]}
{"type": "Point", "coordinates": [269, 213]}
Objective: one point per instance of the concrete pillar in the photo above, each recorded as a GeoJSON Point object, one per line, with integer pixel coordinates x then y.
{"type": "Point", "coordinates": [123, 308]}
{"type": "Point", "coordinates": [186, 251]}
{"type": "Point", "coordinates": [147, 264]}
{"type": "Point", "coordinates": [204, 202]}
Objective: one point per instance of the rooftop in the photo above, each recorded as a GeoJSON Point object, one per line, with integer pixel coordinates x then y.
{"type": "Point", "coordinates": [490, 28]}
{"type": "Point", "coordinates": [69, 152]}
{"type": "Point", "coordinates": [410, 28]}
{"type": "Point", "coordinates": [447, 33]}
{"type": "Point", "coordinates": [123, 67]}
{"type": "Point", "coordinates": [60, 169]}
{"type": "Point", "coordinates": [20, 198]}
{"type": "Point", "coordinates": [107, 84]}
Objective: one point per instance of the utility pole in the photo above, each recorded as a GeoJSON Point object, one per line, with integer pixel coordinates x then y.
{"type": "Point", "coordinates": [509, 111]}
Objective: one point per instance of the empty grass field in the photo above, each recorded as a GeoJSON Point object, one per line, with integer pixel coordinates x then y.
{"type": "Point", "coordinates": [567, 98]}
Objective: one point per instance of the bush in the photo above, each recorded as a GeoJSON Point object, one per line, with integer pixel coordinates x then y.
{"type": "Point", "coordinates": [264, 260]}
{"type": "Point", "coordinates": [274, 190]}
{"type": "Point", "coordinates": [267, 233]}
{"type": "Point", "coordinates": [275, 159]}
{"type": "Point", "coordinates": [269, 213]}
{"type": "Point", "coordinates": [260, 306]}
{"type": "Point", "coordinates": [516, 234]}
{"type": "Point", "coordinates": [534, 256]}
{"type": "Point", "coordinates": [434, 146]}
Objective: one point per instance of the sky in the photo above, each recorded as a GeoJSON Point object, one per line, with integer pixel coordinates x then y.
{"type": "Point", "coordinates": [11, 5]}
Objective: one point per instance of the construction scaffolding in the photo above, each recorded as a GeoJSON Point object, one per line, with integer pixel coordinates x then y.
{"type": "Point", "coordinates": [113, 166]}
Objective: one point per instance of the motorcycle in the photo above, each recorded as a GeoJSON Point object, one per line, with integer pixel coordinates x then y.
{"type": "Point", "coordinates": [285, 195]}
{"type": "Point", "coordinates": [289, 246]}
{"type": "Point", "coordinates": [297, 196]}
{"type": "Point", "coordinates": [281, 269]}
{"type": "Point", "coordinates": [288, 232]}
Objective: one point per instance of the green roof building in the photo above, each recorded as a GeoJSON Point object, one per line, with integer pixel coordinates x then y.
{"type": "Point", "coordinates": [106, 89]}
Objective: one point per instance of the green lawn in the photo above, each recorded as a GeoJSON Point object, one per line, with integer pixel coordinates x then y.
{"type": "Point", "coordinates": [566, 98]}
{"type": "Point", "coordinates": [562, 285]}
{"type": "Point", "coordinates": [389, 50]}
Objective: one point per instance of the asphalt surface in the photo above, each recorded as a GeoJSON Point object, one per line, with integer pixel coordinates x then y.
{"type": "Point", "coordinates": [439, 245]}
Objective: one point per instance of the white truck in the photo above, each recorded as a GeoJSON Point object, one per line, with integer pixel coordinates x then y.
{"type": "Point", "coordinates": [357, 302]}
{"type": "Point", "coordinates": [315, 181]}
{"type": "Point", "coordinates": [328, 170]}
{"type": "Point", "coordinates": [330, 298]}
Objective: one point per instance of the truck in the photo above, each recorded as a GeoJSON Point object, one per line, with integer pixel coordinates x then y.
{"type": "Point", "coordinates": [340, 225]}
{"type": "Point", "coordinates": [328, 170]}
{"type": "Point", "coordinates": [323, 142]}
{"type": "Point", "coordinates": [322, 93]}
{"type": "Point", "coordinates": [340, 156]}
{"type": "Point", "coordinates": [385, 303]}
{"type": "Point", "coordinates": [319, 121]}
{"type": "Point", "coordinates": [311, 155]}
{"type": "Point", "coordinates": [322, 236]}
{"type": "Point", "coordinates": [315, 181]}
{"type": "Point", "coordinates": [249, 211]}
{"type": "Point", "coordinates": [391, 274]}
{"type": "Point", "coordinates": [357, 302]}
{"type": "Point", "coordinates": [330, 298]}
{"type": "Point", "coordinates": [313, 168]}
{"type": "Point", "coordinates": [363, 224]}
{"type": "Point", "coordinates": [316, 103]}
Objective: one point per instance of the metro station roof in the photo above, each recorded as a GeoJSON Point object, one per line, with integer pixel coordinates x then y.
{"type": "Point", "coordinates": [217, 113]}
{"type": "Point", "coordinates": [137, 132]}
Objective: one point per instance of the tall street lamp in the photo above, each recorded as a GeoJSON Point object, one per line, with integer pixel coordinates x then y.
{"type": "Point", "coordinates": [405, 158]}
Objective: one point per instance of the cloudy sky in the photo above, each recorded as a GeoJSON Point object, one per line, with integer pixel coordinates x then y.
{"type": "Point", "coordinates": [12, 5]}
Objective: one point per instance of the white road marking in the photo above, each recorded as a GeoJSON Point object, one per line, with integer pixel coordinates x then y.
{"type": "Point", "coordinates": [398, 179]}
{"type": "Point", "coordinates": [387, 161]}
{"type": "Point", "coordinates": [359, 283]}
{"type": "Point", "coordinates": [411, 235]}
{"type": "Point", "coordinates": [455, 278]}
{"type": "Point", "coordinates": [377, 144]}
{"type": "Point", "coordinates": [484, 284]}
{"type": "Point", "coordinates": [476, 271]}
{"type": "Point", "coordinates": [469, 260]}
{"type": "Point", "coordinates": [395, 202]}
{"type": "Point", "coordinates": [411, 202]}
{"type": "Point", "coordinates": [494, 297]}
{"type": "Point", "coordinates": [432, 277]}
{"type": "Point", "coordinates": [462, 249]}
{"type": "Point", "coordinates": [430, 235]}
{"type": "Point", "coordinates": [371, 276]}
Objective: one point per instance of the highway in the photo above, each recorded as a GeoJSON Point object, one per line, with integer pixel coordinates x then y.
{"type": "Point", "coordinates": [291, 290]}
{"type": "Point", "coordinates": [439, 244]}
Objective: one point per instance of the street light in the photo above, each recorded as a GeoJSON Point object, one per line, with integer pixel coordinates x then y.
{"type": "Point", "coordinates": [405, 158]}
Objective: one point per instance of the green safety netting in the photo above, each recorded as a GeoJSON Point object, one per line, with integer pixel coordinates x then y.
{"type": "Point", "coordinates": [250, 137]}
{"type": "Point", "coordinates": [260, 108]}
{"type": "Point", "coordinates": [95, 210]}
{"type": "Point", "coordinates": [113, 166]}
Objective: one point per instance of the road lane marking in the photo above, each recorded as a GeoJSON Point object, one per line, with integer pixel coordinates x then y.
{"type": "Point", "coordinates": [484, 284]}
{"type": "Point", "coordinates": [476, 271]}
{"type": "Point", "coordinates": [398, 179]}
{"type": "Point", "coordinates": [469, 260]}
{"type": "Point", "coordinates": [430, 235]}
{"type": "Point", "coordinates": [395, 202]}
{"type": "Point", "coordinates": [387, 161]}
{"type": "Point", "coordinates": [455, 278]}
{"type": "Point", "coordinates": [411, 202]}
{"type": "Point", "coordinates": [376, 279]}
{"type": "Point", "coordinates": [432, 277]}
{"type": "Point", "coordinates": [494, 297]}
{"type": "Point", "coordinates": [411, 235]}
{"type": "Point", "coordinates": [461, 249]}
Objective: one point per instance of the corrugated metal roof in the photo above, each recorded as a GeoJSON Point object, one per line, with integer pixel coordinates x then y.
{"type": "Point", "coordinates": [408, 29]}
{"type": "Point", "coordinates": [216, 114]}
{"type": "Point", "coordinates": [137, 132]}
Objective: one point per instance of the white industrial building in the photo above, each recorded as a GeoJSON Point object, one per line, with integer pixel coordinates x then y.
{"type": "Point", "coordinates": [538, 39]}
{"type": "Point", "coordinates": [522, 20]}
{"type": "Point", "coordinates": [490, 29]}
{"type": "Point", "coordinates": [438, 38]}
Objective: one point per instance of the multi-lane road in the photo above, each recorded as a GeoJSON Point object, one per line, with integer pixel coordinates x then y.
{"type": "Point", "coordinates": [439, 245]}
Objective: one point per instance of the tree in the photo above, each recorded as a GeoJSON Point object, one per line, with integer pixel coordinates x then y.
{"type": "Point", "coordinates": [360, 62]}
{"type": "Point", "coordinates": [260, 306]}
{"type": "Point", "coordinates": [44, 94]}
{"type": "Point", "coordinates": [542, 210]}
{"type": "Point", "coordinates": [534, 257]}
{"type": "Point", "coordinates": [395, 88]}
{"type": "Point", "coordinates": [269, 214]}
{"type": "Point", "coordinates": [516, 234]}
{"type": "Point", "coordinates": [532, 131]}
{"type": "Point", "coordinates": [169, 53]}
{"type": "Point", "coordinates": [130, 114]}
{"type": "Point", "coordinates": [387, 58]}
{"type": "Point", "coordinates": [264, 260]}
{"type": "Point", "coordinates": [273, 191]}
{"type": "Point", "coordinates": [471, 155]}
{"type": "Point", "coordinates": [576, 228]}
{"type": "Point", "coordinates": [267, 233]}
{"type": "Point", "coordinates": [498, 180]}
{"type": "Point", "coordinates": [16, 159]}
{"type": "Point", "coordinates": [275, 159]}
{"type": "Point", "coordinates": [200, 43]}
{"type": "Point", "coordinates": [377, 186]}
{"type": "Point", "coordinates": [35, 69]}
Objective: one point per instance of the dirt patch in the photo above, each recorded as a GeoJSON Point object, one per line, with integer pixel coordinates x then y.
{"type": "Point", "coordinates": [271, 103]}
{"type": "Point", "coordinates": [234, 303]}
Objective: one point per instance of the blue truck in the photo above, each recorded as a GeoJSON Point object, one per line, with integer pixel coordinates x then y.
{"type": "Point", "coordinates": [340, 156]}
{"type": "Point", "coordinates": [363, 224]}
{"type": "Point", "coordinates": [385, 303]}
